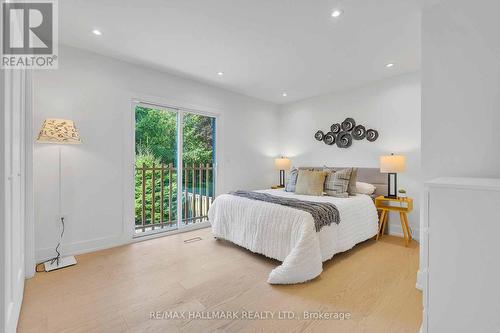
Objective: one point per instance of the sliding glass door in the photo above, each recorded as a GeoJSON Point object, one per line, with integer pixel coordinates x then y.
{"type": "Point", "coordinates": [168, 196]}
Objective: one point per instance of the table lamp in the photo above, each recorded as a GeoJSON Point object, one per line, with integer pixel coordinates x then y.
{"type": "Point", "coordinates": [60, 132]}
{"type": "Point", "coordinates": [392, 164]}
{"type": "Point", "coordinates": [282, 164]}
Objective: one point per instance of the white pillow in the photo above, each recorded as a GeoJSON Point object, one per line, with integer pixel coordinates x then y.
{"type": "Point", "coordinates": [365, 188]}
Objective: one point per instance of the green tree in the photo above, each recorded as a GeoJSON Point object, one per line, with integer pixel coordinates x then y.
{"type": "Point", "coordinates": [198, 139]}
{"type": "Point", "coordinates": [156, 132]}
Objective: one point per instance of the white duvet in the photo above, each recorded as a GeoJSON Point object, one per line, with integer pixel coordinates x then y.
{"type": "Point", "coordinates": [288, 234]}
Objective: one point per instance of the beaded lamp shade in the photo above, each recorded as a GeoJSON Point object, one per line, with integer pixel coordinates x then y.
{"type": "Point", "coordinates": [59, 131]}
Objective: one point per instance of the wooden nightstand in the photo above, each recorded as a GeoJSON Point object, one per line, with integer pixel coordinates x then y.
{"type": "Point", "coordinates": [275, 187]}
{"type": "Point", "coordinates": [399, 205]}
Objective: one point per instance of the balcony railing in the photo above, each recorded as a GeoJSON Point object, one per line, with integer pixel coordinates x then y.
{"type": "Point", "coordinates": [156, 195]}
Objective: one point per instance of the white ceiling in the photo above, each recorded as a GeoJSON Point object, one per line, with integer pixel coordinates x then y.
{"type": "Point", "coordinates": [264, 47]}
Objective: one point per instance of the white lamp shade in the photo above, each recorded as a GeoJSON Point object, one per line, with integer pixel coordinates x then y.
{"type": "Point", "coordinates": [61, 131]}
{"type": "Point", "coordinates": [282, 163]}
{"type": "Point", "coordinates": [392, 163]}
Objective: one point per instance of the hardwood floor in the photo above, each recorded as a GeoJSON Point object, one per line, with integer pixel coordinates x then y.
{"type": "Point", "coordinates": [115, 290]}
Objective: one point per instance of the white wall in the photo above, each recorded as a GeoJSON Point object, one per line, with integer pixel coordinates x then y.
{"type": "Point", "coordinates": [461, 89]}
{"type": "Point", "coordinates": [391, 106]}
{"type": "Point", "coordinates": [97, 92]}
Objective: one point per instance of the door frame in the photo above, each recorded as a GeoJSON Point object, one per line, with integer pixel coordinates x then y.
{"type": "Point", "coordinates": [180, 114]}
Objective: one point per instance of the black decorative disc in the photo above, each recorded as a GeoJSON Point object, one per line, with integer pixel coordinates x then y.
{"type": "Point", "coordinates": [371, 135]}
{"type": "Point", "coordinates": [335, 128]}
{"type": "Point", "coordinates": [329, 138]}
{"type": "Point", "coordinates": [359, 132]}
{"type": "Point", "coordinates": [319, 135]}
{"type": "Point", "coordinates": [344, 140]}
{"type": "Point", "coordinates": [348, 124]}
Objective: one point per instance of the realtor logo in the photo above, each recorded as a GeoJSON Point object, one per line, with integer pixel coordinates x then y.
{"type": "Point", "coordinates": [29, 34]}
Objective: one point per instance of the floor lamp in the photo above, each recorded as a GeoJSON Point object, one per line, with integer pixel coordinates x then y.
{"type": "Point", "coordinates": [59, 132]}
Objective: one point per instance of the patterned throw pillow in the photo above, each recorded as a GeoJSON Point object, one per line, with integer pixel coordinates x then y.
{"type": "Point", "coordinates": [337, 182]}
{"type": "Point", "coordinates": [292, 180]}
{"type": "Point", "coordinates": [351, 189]}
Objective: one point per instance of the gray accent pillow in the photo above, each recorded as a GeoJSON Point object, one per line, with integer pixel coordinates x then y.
{"type": "Point", "coordinates": [292, 180]}
{"type": "Point", "coordinates": [337, 182]}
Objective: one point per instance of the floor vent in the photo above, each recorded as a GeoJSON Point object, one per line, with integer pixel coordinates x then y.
{"type": "Point", "coordinates": [191, 240]}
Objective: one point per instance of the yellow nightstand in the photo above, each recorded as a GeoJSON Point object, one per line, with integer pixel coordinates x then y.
{"type": "Point", "coordinates": [399, 205]}
{"type": "Point", "coordinates": [275, 187]}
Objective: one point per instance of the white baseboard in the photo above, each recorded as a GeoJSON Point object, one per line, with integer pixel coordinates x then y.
{"type": "Point", "coordinates": [76, 248]}
{"type": "Point", "coordinates": [397, 230]}
{"type": "Point", "coordinates": [73, 249]}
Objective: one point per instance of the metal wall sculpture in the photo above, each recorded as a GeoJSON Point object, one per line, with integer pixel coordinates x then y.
{"type": "Point", "coordinates": [343, 134]}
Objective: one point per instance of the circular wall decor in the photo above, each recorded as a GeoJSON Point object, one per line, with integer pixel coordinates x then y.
{"type": "Point", "coordinates": [329, 138]}
{"type": "Point", "coordinates": [319, 135]}
{"type": "Point", "coordinates": [359, 132]}
{"type": "Point", "coordinates": [348, 124]}
{"type": "Point", "coordinates": [342, 134]}
{"type": "Point", "coordinates": [371, 135]}
{"type": "Point", "coordinates": [344, 140]}
{"type": "Point", "coordinates": [335, 128]}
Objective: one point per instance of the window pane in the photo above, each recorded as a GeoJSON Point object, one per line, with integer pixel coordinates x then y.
{"type": "Point", "coordinates": [156, 163]}
{"type": "Point", "coordinates": [198, 157]}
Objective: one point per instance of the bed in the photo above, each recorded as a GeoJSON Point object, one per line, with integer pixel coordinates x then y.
{"type": "Point", "coordinates": [289, 235]}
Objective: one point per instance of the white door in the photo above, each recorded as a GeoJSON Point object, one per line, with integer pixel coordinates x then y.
{"type": "Point", "coordinates": [13, 197]}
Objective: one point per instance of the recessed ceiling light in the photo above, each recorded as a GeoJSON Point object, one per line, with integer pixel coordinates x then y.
{"type": "Point", "coordinates": [336, 13]}
{"type": "Point", "coordinates": [389, 65]}
{"type": "Point", "coordinates": [220, 73]}
{"type": "Point", "coordinates": [284, 94]}
{"type": "Point", "coordinates": [96, 32]}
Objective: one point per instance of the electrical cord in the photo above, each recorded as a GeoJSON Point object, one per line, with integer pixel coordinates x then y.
{"type": "Point", "coordinates": [58, 256]}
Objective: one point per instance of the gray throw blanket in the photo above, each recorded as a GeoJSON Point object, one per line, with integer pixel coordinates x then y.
{"type": "Point", "coordinates": [323, 213]}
